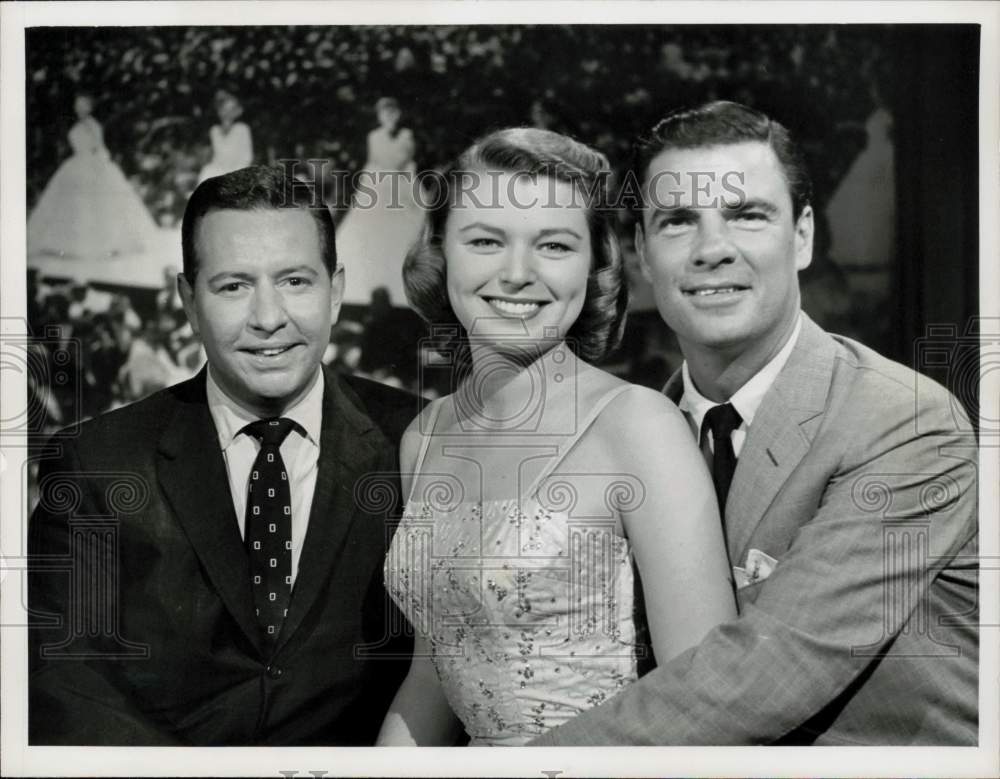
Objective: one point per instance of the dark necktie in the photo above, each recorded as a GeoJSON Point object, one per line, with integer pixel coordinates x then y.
{"type": "Point", "coordinates": [268, 528]}
{"type": "Point", "coordinates": [722, 421]}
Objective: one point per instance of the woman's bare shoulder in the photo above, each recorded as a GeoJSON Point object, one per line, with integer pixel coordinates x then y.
{"type": "Point", "coordinates": [413, 437]}
{"type": "Point", "coordinates": [634, 401]}
{"type": "Point", "coordinates": [639, 421]}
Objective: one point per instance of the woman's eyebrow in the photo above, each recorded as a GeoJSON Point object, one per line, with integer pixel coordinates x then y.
{"type": "Point", "coordinates": [559, 231]}
{"type": "Point", "coordinates": [481, 226]}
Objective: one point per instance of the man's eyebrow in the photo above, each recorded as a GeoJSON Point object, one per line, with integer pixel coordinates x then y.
{"type": "Point", "coordinates": [297, 269]}
{"type": "Point", "coordinates": [230, 274]}
{"type": "Point", "coordinates": [686, 212]}
{"type": "Point", "coordinates": [754, 204]}
{"type": "Point", "coordinates": [243, 276]}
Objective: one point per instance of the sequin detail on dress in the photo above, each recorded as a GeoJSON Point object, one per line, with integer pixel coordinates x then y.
{"type": "Point", "coordinates": [529, 611]}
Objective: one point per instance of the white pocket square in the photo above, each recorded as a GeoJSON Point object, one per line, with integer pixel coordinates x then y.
{"type": "Point", "coordinates": [759, 566]}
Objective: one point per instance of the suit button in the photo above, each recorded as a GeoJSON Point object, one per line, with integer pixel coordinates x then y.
{"type": "Point", "coordinates": [274, 671]}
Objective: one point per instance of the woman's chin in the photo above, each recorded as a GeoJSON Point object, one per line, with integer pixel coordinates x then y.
{"type": "Point", "coordinates": [522, 350]}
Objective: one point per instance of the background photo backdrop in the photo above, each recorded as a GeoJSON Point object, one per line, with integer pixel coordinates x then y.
{"type": "Point", "coordinates": [887, 115]}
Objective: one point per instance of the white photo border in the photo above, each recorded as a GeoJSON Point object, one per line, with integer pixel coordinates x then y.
{"type": "Point", "coordinates": [17, 759]}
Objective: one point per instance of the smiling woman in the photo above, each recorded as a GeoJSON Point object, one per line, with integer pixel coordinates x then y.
{"type": "Point", "coordinates": [513, 270]}
{"type": "Point", "coordinates": [557, 487]}
{"type": "Point", "coordinates": [525, 174]}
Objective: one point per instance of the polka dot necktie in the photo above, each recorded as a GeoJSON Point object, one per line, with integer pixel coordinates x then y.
{"type": "Point", "coordinates": [268, 528]}
{"type": "Point", "coordinates": [722, 421]}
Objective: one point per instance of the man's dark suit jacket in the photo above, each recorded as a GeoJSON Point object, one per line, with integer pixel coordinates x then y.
{"type": "Point", "coordinates": [143, 624]}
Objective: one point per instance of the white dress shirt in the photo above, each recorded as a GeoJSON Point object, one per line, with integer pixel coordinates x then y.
{"type": "Point", "coordinates": [746, 401]}
{"type": "Point", "coordinates": [299, 452]}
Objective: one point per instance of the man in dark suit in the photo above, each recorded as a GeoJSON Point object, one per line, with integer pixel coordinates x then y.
{"type": "Point", "coordinates": [848, 482]}
{"type": "Point", "coordinates": [207, 563]}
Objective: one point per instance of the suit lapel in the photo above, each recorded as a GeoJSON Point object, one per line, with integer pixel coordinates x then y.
{"type": "Point", "coordinates": [779, 438]}
{"type": "Point", "coordinates": [192, 472]}
{"type": "Point", "coordinates": [350, 446]}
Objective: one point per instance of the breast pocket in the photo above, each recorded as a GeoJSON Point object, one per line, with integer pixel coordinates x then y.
{"type": "Point", "coordinates": [747, 595]}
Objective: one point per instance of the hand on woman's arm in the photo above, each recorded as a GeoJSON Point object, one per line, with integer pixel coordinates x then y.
{"type": "Point", "coordinates": [676, 532]}
{"type": "Point", "coordinates": [420, 714]}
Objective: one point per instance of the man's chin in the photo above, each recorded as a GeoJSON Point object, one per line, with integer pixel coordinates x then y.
{"type": "Point", "coordinates": [276, 394]}
{"type": "Point", "coordinates": [271, 398]}
{"type": "Point", "coordinates": [720, 339]}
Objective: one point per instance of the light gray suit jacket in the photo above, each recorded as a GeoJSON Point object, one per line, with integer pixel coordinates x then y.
{"type": "Point", "coordinates": [860, 478]}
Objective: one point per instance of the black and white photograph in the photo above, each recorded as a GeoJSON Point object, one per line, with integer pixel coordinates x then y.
{"type": "Point", "coordinates": [500, 374]}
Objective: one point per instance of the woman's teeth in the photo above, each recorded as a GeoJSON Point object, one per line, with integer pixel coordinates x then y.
{"type": "Point", "coordinates": [510, 307]}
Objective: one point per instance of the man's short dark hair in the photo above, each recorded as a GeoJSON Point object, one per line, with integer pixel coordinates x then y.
{"type": "Point", "coordinates": [257, 188]}
{"type": "Point", "coordinates": [720, 123]}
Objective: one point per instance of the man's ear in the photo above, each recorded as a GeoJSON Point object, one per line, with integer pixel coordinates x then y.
{"type": "Point", "coordinates": [804, 230]}
{"type": "Point", "coordinates": [640, 249]}
{"type": "Point", "coordinates": [187, 299]}
{"type": "Point", "coordinates": [336, 293]}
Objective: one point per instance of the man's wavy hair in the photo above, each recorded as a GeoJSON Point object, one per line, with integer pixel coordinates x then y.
{"type": "Point", "coordinates": [720, 123]}
{"type": "Point", "coordinates": [523, 150]}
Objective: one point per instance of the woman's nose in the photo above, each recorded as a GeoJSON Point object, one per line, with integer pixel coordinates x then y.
{"type": "Point", "coordinates": [518, 268]}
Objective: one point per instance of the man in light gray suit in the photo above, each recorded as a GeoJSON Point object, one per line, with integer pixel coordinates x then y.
{"type": "Point", "coordinates": [848, 482]}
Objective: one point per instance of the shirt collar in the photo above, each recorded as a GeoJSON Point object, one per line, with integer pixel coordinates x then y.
{"type": "Point", "coordinates": [230, 418]}
{"type": "Point", "coordinates": [747, 398]}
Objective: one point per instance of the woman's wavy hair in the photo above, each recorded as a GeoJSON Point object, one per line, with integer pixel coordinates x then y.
{"type": "Point", "coordinates": [524, 150]}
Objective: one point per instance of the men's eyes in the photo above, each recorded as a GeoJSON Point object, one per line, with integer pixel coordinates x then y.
{"type": "Point", "coordinates": [678, 223]}
{"type": "Point", "coordinates": [750, 216]}
{"type": "Point", "coordinates": [675, 223]}
{"type": "Point", "coordinates": [235, 287]}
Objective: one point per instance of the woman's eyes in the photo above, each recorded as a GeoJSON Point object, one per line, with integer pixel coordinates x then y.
{"type": "Point", "coordinates": [548, 247]}
{"type": "Point", "coordinates": [482, 243]}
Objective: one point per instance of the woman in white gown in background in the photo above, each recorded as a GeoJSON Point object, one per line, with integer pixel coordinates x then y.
{"type": "Point", "coordinates": [89, 209]}
{"type": "Point", "coordinates": [232, 144]}
{"type": "Point", "coordinates": [385, 218]}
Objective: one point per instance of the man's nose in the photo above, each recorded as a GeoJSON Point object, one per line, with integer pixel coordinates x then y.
{"type": "Point", "coordinates": [714, 244]}
{"type": "Point", "coordinates": [268, 311]}
{"type": "Point", "coordinates": [519, 267]}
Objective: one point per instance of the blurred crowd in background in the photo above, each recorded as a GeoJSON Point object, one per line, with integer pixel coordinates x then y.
{"type": "Point", "coordinates": [308, 92]}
